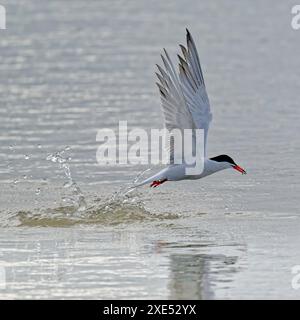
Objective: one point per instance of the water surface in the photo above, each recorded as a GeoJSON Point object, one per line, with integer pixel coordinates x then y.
{"type": "Point", "coordinates": [71, 68]}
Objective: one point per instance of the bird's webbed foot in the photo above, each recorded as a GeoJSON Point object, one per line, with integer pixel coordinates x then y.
{"type": "Point", "coordinates": [157, 183]}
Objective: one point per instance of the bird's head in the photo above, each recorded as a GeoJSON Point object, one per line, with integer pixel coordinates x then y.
{"type": "Point", "coordinates": [227, 162]}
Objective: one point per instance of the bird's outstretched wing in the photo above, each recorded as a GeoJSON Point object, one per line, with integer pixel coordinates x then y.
{"type": "Point", "coordinates": [184, 99]}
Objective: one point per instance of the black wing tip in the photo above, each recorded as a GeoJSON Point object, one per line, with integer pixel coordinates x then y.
{"type": "Point", "coordinates": [162, 93]}
{"type": "Point", "coordinates": [188, 34]}
{"type": "Point", "coordinates": [163, 58]}
{"type": "Point", "coordinates": [161, 89]}
{"type": "Point", "coordinates": [183, 50]}
{"type": "Point", "coordinates": [180, 58]}
{"type": "Point", "coordinates": [160, 69]}
{"type": "Point", "coordinates": [181, 68]}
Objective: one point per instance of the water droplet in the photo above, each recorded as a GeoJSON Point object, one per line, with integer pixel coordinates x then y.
{"type": "Point", "coordinates": [39, 146]}
{"type": "Point", "coordinates": [72, 201]}
{"type": "Point", "coordinates": [81, 204]}
{"type": "Point", "coordinates": [37, 191]}
{"type": "Point", "coordinates": [24, 177]}
{"type": "Point", "coordinates": [11, 147]}
{"type": "Point", "coordinates": [26, 157]}
{"type": "Point", "coordinates": [68, 184]}
{"type": "Point", "coordinates": [61, 160]}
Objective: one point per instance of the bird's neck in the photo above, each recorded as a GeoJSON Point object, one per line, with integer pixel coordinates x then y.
{"type": "Point", "coordinates": [214, 166]}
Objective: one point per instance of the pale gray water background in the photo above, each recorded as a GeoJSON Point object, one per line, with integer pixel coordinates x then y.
{"type": "Point", "coordinates": [69, 68]}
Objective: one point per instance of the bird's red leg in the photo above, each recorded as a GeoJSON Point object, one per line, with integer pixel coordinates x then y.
{"type": "Point", "coordinates": [157, 183]}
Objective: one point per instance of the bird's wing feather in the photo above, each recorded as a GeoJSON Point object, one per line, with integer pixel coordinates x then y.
{"type": "Point", "coordinates": [184, 100]}
{"type": "Point", "coordinates": [175, 110]}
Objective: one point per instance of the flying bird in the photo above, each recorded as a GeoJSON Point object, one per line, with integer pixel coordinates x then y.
{"type": "Point", "coordinates": [185, 105]}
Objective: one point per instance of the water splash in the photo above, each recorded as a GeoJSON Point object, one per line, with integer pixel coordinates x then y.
{"type": "Point", "coordinates": [116, 210]}
{"type": "Point", "coordinates": [132, 186]}
{"type": "Point", "coordinates": [76, 199]}
{"type": "Point", "coordinates": [126, 205]}
{"type": "Point", "coordinates": [123, 206]}
{"type": "Point", "coordinates": [129, 192]}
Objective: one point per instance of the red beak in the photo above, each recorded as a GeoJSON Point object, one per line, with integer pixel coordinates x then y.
{"type": "Point", "coordinates": [240, 169]}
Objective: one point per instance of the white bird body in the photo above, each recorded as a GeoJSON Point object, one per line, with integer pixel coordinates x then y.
{"type": "Point", "coordinates": [177, 172]}
{"type": "Point", "coordinates": [185, 105]}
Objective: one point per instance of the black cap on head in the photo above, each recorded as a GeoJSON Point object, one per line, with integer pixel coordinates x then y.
{"type": "Point", "coordinates": [223, 158]}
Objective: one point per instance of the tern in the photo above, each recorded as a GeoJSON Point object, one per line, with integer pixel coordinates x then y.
{"type": "Point", "coordinates": [185, 105]}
